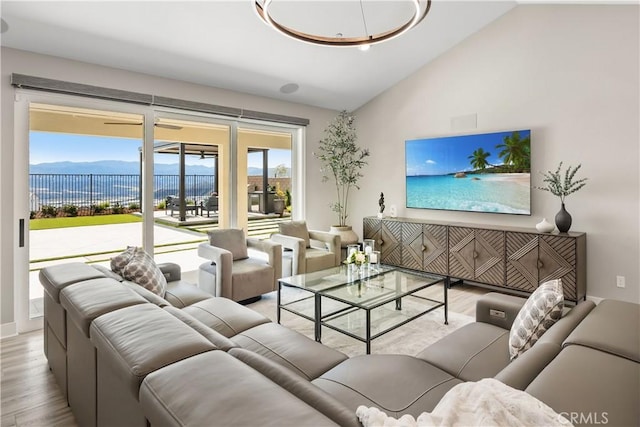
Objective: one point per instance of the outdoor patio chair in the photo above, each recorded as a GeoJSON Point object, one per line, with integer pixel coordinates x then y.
{"type": "Point", "coordinates": [306, 251]}
{"type": "Point", "coordinates": [172, 203]}
{"type": "Point", "coordinates": [210, 204]}
{"type": "Point", "coordinates": [234, 269]}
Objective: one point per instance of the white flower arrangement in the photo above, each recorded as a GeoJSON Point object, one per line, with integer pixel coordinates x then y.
{"type": "Point", "coordinates": [357, 258]}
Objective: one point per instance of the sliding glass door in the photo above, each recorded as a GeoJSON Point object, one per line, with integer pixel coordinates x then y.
{"type": "Point", "coordinates": [93, 177]}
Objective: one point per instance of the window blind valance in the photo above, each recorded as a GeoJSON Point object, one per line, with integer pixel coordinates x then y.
{"type": "Point", "coordinates": [71, 88]}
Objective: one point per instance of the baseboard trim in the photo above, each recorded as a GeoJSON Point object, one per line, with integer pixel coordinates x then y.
{"type": "Point", "coordinates": [8, 330]}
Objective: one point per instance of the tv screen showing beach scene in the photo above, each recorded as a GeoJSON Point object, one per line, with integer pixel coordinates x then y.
{"type": "Point", "coordinates": [488, 172]}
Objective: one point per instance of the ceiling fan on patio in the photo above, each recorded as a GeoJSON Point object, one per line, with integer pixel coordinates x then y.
{"type": "Point", "coordinates": [160, 125]}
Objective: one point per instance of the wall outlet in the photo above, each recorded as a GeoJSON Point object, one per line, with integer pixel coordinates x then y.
{"type": "Point", "coordinates": [620, 281]}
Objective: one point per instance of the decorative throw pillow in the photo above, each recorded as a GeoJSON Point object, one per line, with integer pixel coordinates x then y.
{"type": "Point", "coordinates": [296, 229]}
{"type": "Point", "coordinates": [231, 239]}
{"type": "Point", "coordinates": [144, 271]}
{"type": "Point", "coordinates": [120, 261]}
{"type": "Point", "coordinates": [539, 313]}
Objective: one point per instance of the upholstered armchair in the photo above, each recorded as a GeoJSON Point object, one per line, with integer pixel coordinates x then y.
{"type": "Point", "coordinates": [233, 271]}
{"type": "Point", "coordinates": [306, 251]}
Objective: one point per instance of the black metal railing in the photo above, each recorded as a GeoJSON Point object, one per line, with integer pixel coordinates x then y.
{"type": "Point", "coordinates": [94, 193]}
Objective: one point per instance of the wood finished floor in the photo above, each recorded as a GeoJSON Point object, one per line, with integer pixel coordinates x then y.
{"type": "Point", "coordinates": [31, 397]}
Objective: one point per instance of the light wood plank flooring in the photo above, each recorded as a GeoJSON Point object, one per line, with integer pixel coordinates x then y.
{"type": "Point", "coordinates": [31, 397]}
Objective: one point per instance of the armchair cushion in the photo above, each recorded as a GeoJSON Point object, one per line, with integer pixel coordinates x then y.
{"type": "Point", "coordinates": [296, 229]}
{"type": "Point", "coordinates": [231, 239]}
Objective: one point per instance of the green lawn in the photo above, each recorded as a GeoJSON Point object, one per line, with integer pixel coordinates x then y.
{"type": "Point", "coordinates": [79, 221]}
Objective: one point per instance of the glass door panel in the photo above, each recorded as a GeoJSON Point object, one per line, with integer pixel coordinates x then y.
{"type": "Point", "coordinates": [84, 188]}
{"type": "Point", "coordinates": [264, 179]}
{"type": "Point", "coordinates": [191, 187]}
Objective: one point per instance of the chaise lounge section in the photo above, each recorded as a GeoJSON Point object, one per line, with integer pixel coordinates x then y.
{"type": "Point", "coordinates": [213, 361]}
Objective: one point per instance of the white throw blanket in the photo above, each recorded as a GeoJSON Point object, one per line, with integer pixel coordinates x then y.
{"type": "Point", "coordinates": [487, 402]}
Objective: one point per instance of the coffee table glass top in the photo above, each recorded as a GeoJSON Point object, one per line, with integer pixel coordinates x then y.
{"type": "Point", "coordinates": [378, 290]}
{"type": "Point", "coordinates": [320, 281]}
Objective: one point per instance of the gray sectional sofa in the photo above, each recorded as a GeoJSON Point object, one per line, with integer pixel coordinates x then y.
{"type": "Point", "coordinates": [126, 357]}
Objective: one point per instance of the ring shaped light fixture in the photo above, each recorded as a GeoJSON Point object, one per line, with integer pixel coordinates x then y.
{"type": "Point", "coordinates": [262, 8]}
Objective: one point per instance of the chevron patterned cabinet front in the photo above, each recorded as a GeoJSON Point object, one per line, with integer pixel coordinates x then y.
{"type": "Point", "coordinates": [514, 259]}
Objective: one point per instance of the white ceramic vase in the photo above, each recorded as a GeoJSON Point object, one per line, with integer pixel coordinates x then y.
{"type": "Point", "coordinates": [545, 226]}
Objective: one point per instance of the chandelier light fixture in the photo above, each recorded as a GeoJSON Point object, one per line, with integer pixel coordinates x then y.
{"type": "Point", "coordinates": [291, 22]}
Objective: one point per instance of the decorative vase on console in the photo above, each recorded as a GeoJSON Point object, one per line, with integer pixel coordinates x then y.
{"type": "Point", "coordinates": [563, 220]}
{"type": "Point", "coordinates": [545, 226]}
{"type": "Point", "coordinates": [561, 185]}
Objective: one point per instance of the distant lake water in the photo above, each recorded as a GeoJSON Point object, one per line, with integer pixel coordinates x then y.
{"type": "Point", "coordinates": [499, 193]}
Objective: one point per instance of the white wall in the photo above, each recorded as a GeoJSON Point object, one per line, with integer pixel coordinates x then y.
{"type": "Point", "coordinates": [16, 61]}
{"type": "Point", "coordinates": [569, 73]}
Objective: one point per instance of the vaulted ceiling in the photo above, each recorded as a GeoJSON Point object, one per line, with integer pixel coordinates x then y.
{"type": "Point", "coordinates": [224, 44]}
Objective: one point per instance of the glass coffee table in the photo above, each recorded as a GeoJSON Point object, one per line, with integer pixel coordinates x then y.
{"type": "Point", "coordinates": [361, 305]}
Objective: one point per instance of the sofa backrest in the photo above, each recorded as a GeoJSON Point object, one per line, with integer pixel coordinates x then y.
{"type": "Point", "coordinates": [521, 371]}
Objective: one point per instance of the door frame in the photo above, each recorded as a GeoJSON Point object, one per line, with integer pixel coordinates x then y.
{"type": "Point", "coordinates": [23, 100]}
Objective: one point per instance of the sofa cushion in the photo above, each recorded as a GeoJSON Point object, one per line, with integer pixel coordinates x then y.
{"type": "Point", "coordinates": [231, 239]}
{"type": "Point", "coordinates": [142, 270]}
{"type": "Point", "coordinates": [140, 339]}
{"type": "Point", "coordinates": [296, 229]}
{"type": "Point", "coordinates": [56, 277]}
{"type": "Point", "coordinates": [590, 387]}
{"type": "Point", "coordinates": [214, 388]}
{"type": "Point", "coordinates": [542, 309]}
{"type": "Point", "coordinates": [120, 261]}
{"type": "Point", "coordinates": [225, 316]}
{"type": "Point", "coordinates": [181, 294]}
{"type": "Point", "coordinates": [612, 326]}
{"type": "Point", "coordinates": [291, 349]}
{"type": "Point", "coordinates": [299, 387]}
{"type": "Point", "coordinates": [475, 351]}
{"type": "Point", "coordinates": [88, 300]}
{"type": "Point", "coordinates": [397, 384]}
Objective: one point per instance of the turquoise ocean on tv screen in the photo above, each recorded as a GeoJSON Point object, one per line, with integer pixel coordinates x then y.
{"type": "Point", "coordinates": [498, 193]}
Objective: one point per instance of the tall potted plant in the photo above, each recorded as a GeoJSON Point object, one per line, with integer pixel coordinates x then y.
{"type": "Point", "coordinates": [342, 161]}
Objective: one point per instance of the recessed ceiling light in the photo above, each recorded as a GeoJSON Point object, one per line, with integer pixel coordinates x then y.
{"type": "Point", "coordinates": [289, 88]}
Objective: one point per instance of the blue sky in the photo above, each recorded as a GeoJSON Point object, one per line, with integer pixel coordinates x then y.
{"type": "Point", "coordinates": [440, 156]}
{"type": "Point", "coordinates": [47, 147]}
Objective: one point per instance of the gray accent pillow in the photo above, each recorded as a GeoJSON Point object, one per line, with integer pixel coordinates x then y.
{"type": "Point", "coordinates": [296, 229]}
{"type": "Point", "coordinates": [144, 271]}
{"type": "Point", "coordinates": [119, 262]}
{"type": "Point", "coordinates": [542, 309]}
{"type": "Point", "coordinates": [231, 239]}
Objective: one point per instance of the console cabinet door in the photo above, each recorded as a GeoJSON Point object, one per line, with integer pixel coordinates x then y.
{"type": "Point", "coordinates": [371, 229]}
{"type": "Point", "coordinates": [434, 249]}
{"type": "Point", "coordinates": [388, 237]}
{"type": "Point", "coordinates": [412, 246]}
{"type": "Point", "coordinates": [477, 254]}
{"type": "Point", "coordinates": [424, 247]}
{"type": "Point", "coordinates": [390, 242]}
{"type": "Point", "coordinates": [533, 259]}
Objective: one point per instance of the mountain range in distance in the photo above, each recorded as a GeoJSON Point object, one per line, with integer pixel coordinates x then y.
{"type": "Point", "coordinates": [118, 167]}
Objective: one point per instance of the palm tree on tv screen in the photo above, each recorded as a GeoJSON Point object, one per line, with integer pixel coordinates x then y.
{"type": "Point", "coordinates": [516, 152]}
{"type": "Point", "coordinates": [479, 159]}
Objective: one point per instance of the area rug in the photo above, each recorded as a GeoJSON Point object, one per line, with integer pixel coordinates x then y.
{"type": "Point", "coordinates": [409, 339]}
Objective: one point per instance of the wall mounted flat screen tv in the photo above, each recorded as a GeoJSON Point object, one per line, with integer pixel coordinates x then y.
{"type": "Point", "coordinates": [488, 172]}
